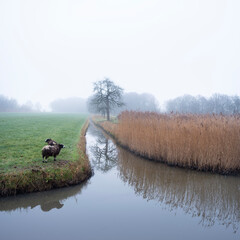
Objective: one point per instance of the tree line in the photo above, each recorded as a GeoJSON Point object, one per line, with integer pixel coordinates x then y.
{"type": "Point", "coordinates": [108, 98]}
{"type": "Point", "coordinates": [11, 105]}
{"type": "Point", "coordinates": [217, 104]}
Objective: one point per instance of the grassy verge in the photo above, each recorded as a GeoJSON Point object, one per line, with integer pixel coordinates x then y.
{"type": "Point", "coordinates": [22, 138]}
{"type": "Point", "coordinates": [201, 142]}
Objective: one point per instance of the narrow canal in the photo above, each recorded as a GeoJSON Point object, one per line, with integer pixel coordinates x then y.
{"type": "Point", "coordinates": [127, 198]}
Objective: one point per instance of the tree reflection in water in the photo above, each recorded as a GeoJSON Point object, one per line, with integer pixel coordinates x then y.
{"type": "Point", "coordinates": [213, 198]}
{"type": "Point", "coordinates": [104, 155]}
{"type": "Point", "coordinates": [104, 152]}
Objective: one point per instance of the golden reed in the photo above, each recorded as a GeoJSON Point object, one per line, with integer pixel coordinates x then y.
{"type": "Point", "coordinates": [202, 142]}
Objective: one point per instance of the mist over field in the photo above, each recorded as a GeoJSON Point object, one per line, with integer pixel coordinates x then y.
{"type": "Point", "coordinates": [53, 51]}
{"type": "Point", "coordinates": [137, 103]}
{"type": "Point", "coordinates": [217, 103]}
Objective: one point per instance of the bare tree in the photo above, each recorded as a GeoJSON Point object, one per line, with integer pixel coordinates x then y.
{"type": "Point", "coordinates": [107, 96]}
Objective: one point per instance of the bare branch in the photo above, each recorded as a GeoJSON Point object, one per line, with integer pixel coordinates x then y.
{"type": "Point", "coordinates": [107, 96]}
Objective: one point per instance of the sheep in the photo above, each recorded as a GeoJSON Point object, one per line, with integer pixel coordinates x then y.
{"type": "Point", "coordinates": [51, 142]}
{"type": "Point", "coordinates": [51, 151]}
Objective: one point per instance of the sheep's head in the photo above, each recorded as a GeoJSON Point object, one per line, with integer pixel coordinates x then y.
{"type": "Point", "coordinates": [61, 145]}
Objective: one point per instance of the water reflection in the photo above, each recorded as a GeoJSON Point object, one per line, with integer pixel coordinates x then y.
{"type": "Point", "coordinates": [47, 200]}
{"type": "Point", "coordinates": [103, 152]}
{"type": "Point", "coordinates": [213, 198]}
{"type": "Point", "coordinates": [104, 155]}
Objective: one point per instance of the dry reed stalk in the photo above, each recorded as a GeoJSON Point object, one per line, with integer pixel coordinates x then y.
{"type": "Point", "coordinates": [202, 142]}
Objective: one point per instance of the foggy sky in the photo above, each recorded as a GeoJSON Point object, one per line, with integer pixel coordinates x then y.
{"type": "Point", "coordinates": [57, 49]}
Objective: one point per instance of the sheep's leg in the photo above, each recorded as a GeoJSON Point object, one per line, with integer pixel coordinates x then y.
{"type": "Point", "coordinates": [54, 158]}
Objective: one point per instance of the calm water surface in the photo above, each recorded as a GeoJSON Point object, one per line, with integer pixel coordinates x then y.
{"type": "Point", "coordinates": [127, 198]}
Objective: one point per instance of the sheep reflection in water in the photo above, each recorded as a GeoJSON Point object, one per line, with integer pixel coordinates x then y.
{"type": "Point", "coordinates": [47, 200]}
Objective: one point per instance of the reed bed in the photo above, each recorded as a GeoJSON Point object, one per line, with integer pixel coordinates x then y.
{"type": "Point", "coordinates": [202, 142]}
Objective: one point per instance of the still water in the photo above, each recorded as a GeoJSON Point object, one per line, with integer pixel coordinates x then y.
{"type": "Point", "coordinates": [127, 198]}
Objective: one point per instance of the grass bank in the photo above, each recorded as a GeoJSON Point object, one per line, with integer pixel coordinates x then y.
{"type": "Point", "coordinates": [201, 142]}
{"type": "Point", "coordinates": [21, 140]}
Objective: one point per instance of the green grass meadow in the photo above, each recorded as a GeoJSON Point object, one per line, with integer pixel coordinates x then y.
{"type": "Point", "coordinates": [22, 136]}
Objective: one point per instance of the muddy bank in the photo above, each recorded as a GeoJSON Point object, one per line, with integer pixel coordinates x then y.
{"type": "Point", "coordinates": [64, 173]}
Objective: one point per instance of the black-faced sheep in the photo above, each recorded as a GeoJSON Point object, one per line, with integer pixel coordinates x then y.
{"type": "Point", "coordinates": [51, 151]}
{"type": "Point", "coordinates": [50, 142]}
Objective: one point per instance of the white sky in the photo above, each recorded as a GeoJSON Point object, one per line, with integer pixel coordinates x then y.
{"type": "Point", "coordinates": [57, 49]}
